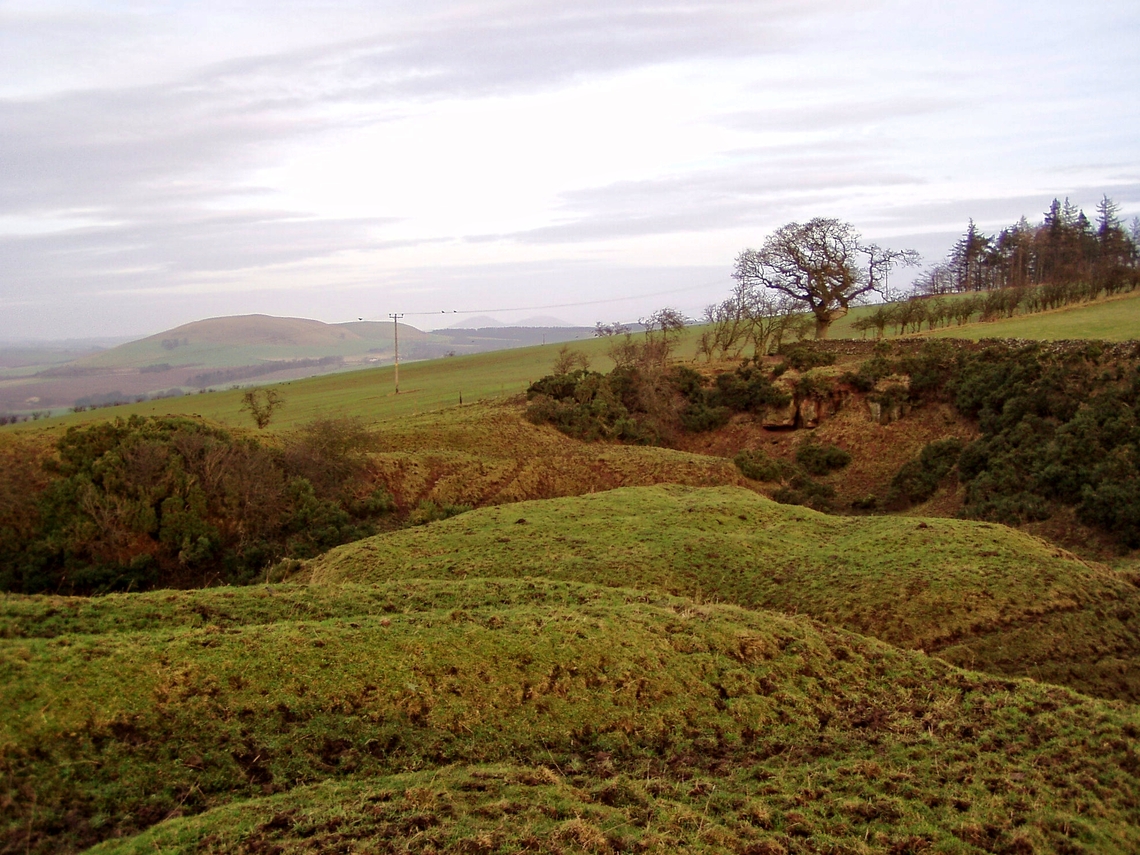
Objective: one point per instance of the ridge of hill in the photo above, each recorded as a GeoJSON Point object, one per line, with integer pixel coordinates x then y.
{"type": "Point", "coordinates": [221, 352]}
{"type": "Point", "coordinates": [958, 587]}
{"type": "Point", "coordinates": [503, 715]}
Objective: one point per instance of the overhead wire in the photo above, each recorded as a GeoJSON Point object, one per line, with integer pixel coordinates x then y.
{"type": "Point", "coordinates": [553, 305]}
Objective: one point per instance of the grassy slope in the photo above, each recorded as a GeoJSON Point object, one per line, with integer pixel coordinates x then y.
{"type": "Point", "coordinates": [427, 386]}
{"type": "Point", "coordinates": [581, 718]}
{"type": "Point", "coordinates": [1117, 319]}
{"type": "Point", "coordinates": [951, 585]}
{"type": "Point", "coordinates": [487, 454]}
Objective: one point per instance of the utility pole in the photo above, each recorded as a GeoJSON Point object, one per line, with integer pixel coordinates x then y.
{"type": "Point", "coordinates": [396, 339]}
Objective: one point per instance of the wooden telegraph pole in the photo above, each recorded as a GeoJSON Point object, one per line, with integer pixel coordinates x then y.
{"type": "Point", "coordinates": [396, 339]}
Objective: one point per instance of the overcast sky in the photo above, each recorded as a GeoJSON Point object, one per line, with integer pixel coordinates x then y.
{"type": "Point", "coordinates": [163, 162]}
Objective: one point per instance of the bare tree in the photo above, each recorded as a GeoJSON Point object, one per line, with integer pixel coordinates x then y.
{"type": "Point", "coordinates": [569, 360]}
{"type": "Point", "coordinates": [662, 329]}
{"type": "Point", "coordinates": [822, 265]}
{"type": "Point", "coordinates": [750, 316]}
{"type": "Point", "coordinates": [261, 404]}
{"type": "Point", "coordinates": [602, 330]}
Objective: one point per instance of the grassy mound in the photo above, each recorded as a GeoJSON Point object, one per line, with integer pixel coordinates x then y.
{"type": "Point", "coordinates": [626, 719]}
{"type": "Point", "coordinates": [935, 585]}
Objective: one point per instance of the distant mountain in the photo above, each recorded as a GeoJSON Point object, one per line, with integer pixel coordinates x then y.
{"type": "Point", "coordinates": [478, 322]}
{"type": "Point", "coordinates": [543, 321]}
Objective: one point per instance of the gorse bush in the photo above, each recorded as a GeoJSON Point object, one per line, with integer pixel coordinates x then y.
{"type": "Point", "coordinates": [801, 489]}
{"type": "Point", "coordinates": [641, 404]}
{"type": "Point", "coordinates": [1058, 427]}
{"type": "Point", "coordinates": [819, 459]}
{"type": "Point", "coordinates": [428, 511]}
{"type": "Point", "coordinates": [755, 464]}
{"type": "Point", "coordinates": [917, 479]}
{"type": "Point", "coordinates": [803, 357]}
{"type": "Point", "coordinates": [172, 502]}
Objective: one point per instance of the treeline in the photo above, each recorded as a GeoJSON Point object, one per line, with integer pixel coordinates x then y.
{"type": "Point", "coordinates": [118, 399]}
{"type": "Point", "coordinates": [1066, 247]}
{"type": "Point", "coordinates": [171, 502]}
{"type": "Point", "coordinates": [16, 418]}
{"type": "Point", "coordinates": [245, 372]}
{"type": "Point", "coordinates": [932, 312]}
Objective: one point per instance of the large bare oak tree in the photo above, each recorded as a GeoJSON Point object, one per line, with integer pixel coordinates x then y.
{"type": "Point", "coordinates": [822, 265]}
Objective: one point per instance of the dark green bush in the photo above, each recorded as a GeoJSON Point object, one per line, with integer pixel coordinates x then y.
{"type": "Point", "coordinates": [803, 356]}
{"type": "Point", "coordinates": [813, 384]}
{"type": "Point", "coordinates": [868, 374]}
{"type": "Point", "coordinates": [428, 511]}
{"type": "Point", "coordinates": [172, 502]}
{"type": "Point", "coordinates": [819, 459]}
{"type": "Point", "coordinates": [803, 490]}
{"type": "Point", "coordinates": [700, 417]}
{"type": "Point", "coordinates": [755, 464]}
{"type": "Point", "coordinates": [917, 479]}
{"type": "Point", "coordinates": [746, 390]}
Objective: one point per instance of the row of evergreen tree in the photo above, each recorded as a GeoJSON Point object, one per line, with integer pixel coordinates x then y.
{"type": "Point", "coordinates": [1065, 247]}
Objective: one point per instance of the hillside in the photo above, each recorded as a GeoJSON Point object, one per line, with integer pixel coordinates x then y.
{"type": "Point", "coordinates": [500, 715]}
{"type": "Point", "coordinates": [221, 352]}
{"type": "Point", "coordinates": [961, 588]}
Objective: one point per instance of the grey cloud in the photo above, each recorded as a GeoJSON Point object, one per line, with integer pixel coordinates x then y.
{"type": "Point", "coordinates": [171, 251]}
{"type": "Point", "coordinates": [150, 158]}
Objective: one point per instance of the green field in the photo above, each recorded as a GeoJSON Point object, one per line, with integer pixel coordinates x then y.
{"type": "Point", "coordinates": [432, 385]}
{"type": "Point", "coordinates": [369, 393]}
{"type": "Point", "coordinates": [1117, 319]}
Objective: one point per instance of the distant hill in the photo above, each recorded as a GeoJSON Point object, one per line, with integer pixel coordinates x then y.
{"type": "Point", "coordinates": [243, 349]}
{"type": "Point", "coordinates": [477, 322]}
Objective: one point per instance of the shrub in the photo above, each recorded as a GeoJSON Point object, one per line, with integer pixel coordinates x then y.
{"type": "Point", "coordinates": [755, 464]}
{"type": "Point", "coordinates": [804, 491]}
{"type": "Point", "coordinates": [814, 384]}
{"type": "Point", "coordinates": [868, 374]}
{"type": "Point", "coordinates": [819, 459]}
{"type": "Point", "coordinates": [746, 390]}
{"type": "Point", "coordinates": [803, 357]}
{"type": "Point", "coordinates": [917, 479]}
{"type": "Point", "coordinates": [428, 511]}
{"type": "Point", "coordinates": [172, 502]}
{"type": "Point", "coordinates": [699, 417]}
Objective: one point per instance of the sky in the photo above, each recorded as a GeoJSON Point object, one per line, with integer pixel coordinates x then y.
{"type": "Point", "coordinates": [164, 162]}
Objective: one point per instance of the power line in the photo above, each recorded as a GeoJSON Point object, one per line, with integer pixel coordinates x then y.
{"type": "Point", "coordinates": [557, 305]}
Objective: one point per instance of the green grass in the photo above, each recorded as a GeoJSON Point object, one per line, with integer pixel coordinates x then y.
{"type": "Point", "coordinates": [485, 715]}
{"type": "Point", "coordinates": [427, 386]}
{"type": "Point", "coordinates": [1117, 319]}
{"type": "Point", "coordinates": [954, 586]}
